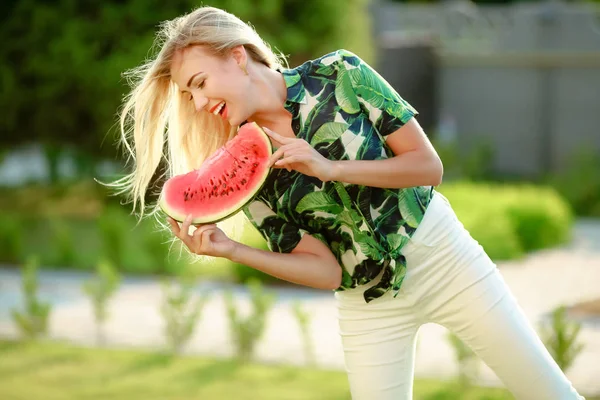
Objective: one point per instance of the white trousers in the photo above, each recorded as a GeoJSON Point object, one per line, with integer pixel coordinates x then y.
{"type": "Point", "coordinates": [452, 282]}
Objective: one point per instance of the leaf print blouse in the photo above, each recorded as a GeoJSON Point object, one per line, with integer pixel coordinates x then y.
{"type": "Point", "coordinates": [344, 109]}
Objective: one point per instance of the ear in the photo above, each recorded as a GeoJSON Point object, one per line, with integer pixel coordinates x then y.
{"type": "Point", "coordinates": [240, 55]}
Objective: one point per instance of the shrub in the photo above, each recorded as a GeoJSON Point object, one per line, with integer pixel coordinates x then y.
{"type": "Point", "coordinates": [63, 243]}
{"type": "Point", "coordinates": [560, 337]}
{"type": "Point", "coordinates": [100, 289]}
{"type": "Point", "coordinates": [33, 320]}
{"type": "Point", "coordinates": [243, 273]}
{"type": "Point", "coordinates": [11, 238]}
{"type": "Point", "coordinates": [468, 362]}
{"type": "Point", "coordinates": [181, 311]}
{"type": "Point", "coordinates": [303, 319]}
{"type": "Point", "coordinates": [509, 220]}
{"type": "Point", "coordinates": [579, 182]}
{"type": "Point", "coordinates": [247, 330]}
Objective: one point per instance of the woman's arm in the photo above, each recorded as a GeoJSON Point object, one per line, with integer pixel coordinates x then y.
{"type": "Point", "coordinates": [416, 163]}
{"type": "Point", "coordinates": [311, 263]}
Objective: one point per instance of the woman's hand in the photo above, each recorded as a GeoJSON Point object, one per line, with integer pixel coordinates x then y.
{"type": "Point", "coordinates": [300, 156]}
{"type": "Point", "coordinates": [206, 239]}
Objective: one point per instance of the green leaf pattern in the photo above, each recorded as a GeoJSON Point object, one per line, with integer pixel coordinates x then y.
{"type": "Point", "coordinates": [344, 109]}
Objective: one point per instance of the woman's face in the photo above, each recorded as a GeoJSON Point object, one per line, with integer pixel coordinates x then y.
{"type": "Point", "coordinates": [216, 85]}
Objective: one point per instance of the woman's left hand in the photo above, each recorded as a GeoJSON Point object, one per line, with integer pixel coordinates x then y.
{"type": "Point", "coordinates": [300, 156]}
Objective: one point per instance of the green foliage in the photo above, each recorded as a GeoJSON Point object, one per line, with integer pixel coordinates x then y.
{"type": "Point", "coordinates": [61, 69]}
{"type": "Point", "coordinates": [510, 219]}
{"type": "Point", "coordinates": [243, 273]}
{"type": "Point", "coordinates": [65, 372]}
{"type": "Point", "coordinates": [181, 310]}
{"type": "Point", "coordinates": [11, 238]}
{"type": "Point", "coordinates": [100, 289]}
{"type": "Point", "coordinates": [475, 163]}
{"type": "Point", "coordinates": [32, 321]}
{"type": "Point", "coordinates": [561, 338]}
{"type": "Point", "coordinates": [468, 362]}
{"type": "Point", "coordinates": [113, 225]}
{"type": "Point", "coordinates": [303, 319]}
{"type": "Point", "coordinates": [247, 330]}
{"type": "Point", "coordinates": [579, 182]}
{"type": "Point", "coordinates": [64, 243]}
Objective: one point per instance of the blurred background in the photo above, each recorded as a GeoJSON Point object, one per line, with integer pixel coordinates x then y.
{"type": "Point", "coordinates": [94, 304]}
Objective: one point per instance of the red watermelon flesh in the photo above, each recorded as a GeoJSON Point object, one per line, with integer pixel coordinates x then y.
{"type": "Point", "coordinates": [225, 182]}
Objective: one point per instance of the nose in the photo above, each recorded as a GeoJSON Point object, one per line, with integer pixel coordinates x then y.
{"type": "Point", "coordinates": [200, 101]}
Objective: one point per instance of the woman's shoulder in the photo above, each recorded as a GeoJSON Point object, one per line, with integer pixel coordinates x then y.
{"type": "Point", "coordinates": [339, 57]}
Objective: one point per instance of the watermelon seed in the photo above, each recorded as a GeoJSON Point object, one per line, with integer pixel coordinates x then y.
{"type": "Point", "coordinates": [237, 187]}
{"type": "Point", "coordinates": [224, 185]}
{"type": "Point", "coordinates": [243, 182]}
{"type": "Point", "coordinates": [215, 187]}
{"type": "Point", "coordinates": [255, 164]}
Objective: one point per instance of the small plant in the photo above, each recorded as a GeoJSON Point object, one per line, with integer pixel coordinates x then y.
{"type": "Point", "coordinates": [100, 289]}
{"type": "Point", "coordinates": [468, 362]}
{"type": "Point", "coordinates": [33, 320]}
{"type": "Point", "coordinates": [247, 331]}
{"type": "Point", "coordinates": [560, 337]}
{"type": "Point", "coordinates": [303, 319]}
{"type": "Point", "coordinates": [180, 311]}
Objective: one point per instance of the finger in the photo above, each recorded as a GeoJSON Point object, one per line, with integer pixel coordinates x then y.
{"type": "Point", "coordinates": [185, 228]}
{"type": "Point", "coordinates": [205, 236]}
{"type": "Point", "coordinates": [284, 162]}
{"type": "Point", "coordinates": [198, 232]}
{"type": "Point", "coordinates": [282, 152]}
{"type": "Point", "coordinates": [277, 137]}
{"type": "Point", "coordinates": [174, 225]}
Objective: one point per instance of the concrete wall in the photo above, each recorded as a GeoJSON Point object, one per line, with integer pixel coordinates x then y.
{"type": "Point", "coordinates": [524, 78]}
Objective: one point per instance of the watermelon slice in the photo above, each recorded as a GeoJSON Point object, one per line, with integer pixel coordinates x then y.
{"type": "Point", "coordinates": [226, 181]}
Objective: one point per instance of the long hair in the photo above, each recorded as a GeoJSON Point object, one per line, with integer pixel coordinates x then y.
{"type": "Point", "coordinates": [155, 112]}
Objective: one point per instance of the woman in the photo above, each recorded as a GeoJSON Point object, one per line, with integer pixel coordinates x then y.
{"type": "Point", "coordinates": [349, 205]}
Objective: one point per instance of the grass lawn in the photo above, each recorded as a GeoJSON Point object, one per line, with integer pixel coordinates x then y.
{"type": "Point", "coordinates": [55, 371]}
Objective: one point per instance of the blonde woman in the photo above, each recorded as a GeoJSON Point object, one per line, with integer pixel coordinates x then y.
{"type": "Point", "coordinates": [350, 205]}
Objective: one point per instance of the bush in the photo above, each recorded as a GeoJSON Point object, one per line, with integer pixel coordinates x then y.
{"type": "Point", "coordinates": [181, 310]}
{"type": "Point", "coordinates": [11, 238]}
{"type": "Point", "coordinates": [247, 330]}
{"type": "Point", "coordinates": [32, 321]}
{"type": "Point", "coordinates": [243, 273]}
{"type": "Point", "coordinates": [510, 220]}
{"type": "Point", "coordinates": [579, 182]}
{"type": "Point", "coordinates": [100, 289]}
{"type": "Point", "coordinates": [561, 336]}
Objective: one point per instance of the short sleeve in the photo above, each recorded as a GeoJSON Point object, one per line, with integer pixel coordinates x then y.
{"type": "Point", "coordinates": [388, 111]}
{"type": "Point", "coordinates": [281, 236]}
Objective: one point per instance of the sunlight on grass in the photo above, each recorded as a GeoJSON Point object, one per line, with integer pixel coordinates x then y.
{"type": "Point", "coordinates": [57, 371]}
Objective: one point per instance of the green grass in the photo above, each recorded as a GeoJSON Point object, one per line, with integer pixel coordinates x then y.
{"type": "Point", "coordinates": [55, 371]}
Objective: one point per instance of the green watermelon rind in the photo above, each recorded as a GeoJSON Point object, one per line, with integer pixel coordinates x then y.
{"type": "Point", "coordinates": [204, 221]}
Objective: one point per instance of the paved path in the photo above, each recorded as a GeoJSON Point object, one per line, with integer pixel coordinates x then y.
{"type": "Point", "coordinates": [540, 282]}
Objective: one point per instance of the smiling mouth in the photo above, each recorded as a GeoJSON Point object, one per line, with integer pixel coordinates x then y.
{"type": "Point", "coordinates": [218, 109]}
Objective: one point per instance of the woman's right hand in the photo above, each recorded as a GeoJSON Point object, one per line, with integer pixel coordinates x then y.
{"type": "Point", "coordinates": [206, 240]}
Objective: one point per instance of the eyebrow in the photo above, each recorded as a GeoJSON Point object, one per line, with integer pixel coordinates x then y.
{"type": "Point", "coordinates": [192, 77]}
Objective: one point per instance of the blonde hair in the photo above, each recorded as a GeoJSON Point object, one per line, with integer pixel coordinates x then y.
{"type": "Point", "coordinates": [155, 111]}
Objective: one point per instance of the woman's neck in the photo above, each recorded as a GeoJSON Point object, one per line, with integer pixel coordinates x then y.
{"type": "Point", "coordinates": [270, 94]}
